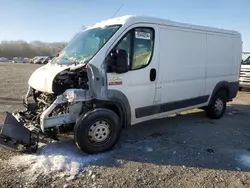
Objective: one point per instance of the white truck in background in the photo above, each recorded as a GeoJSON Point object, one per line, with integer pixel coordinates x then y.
{"type": "Point", "coordinates": [124, 71]}
{"type": "Point", "coordinates": [244, 80]}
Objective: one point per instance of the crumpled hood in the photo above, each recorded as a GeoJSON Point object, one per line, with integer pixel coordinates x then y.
{"type": "Point", "coordinates": [42, 78]}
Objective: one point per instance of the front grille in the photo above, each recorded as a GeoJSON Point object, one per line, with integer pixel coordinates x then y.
{"type": "Point", "coordinates": [246, 82]}
{"type": "Point", "coordinates": [245, 75]}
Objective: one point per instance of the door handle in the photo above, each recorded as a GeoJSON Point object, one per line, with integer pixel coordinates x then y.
{"type": "Point", "coordinates": [152, 75]}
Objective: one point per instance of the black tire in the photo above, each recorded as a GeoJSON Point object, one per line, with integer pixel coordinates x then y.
{"type": "Point", "coordinates": [90, 123]}
{"type": "Point", "coordinates": [220, 99]}
{"type": "Point", "coordinates": [240, 88]}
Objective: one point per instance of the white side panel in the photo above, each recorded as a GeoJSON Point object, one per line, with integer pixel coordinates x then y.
{"type": "Point", "coordinates": [182, 64]}
{"type": "Point", "coordinates": [220, 58]}
{"type": "Point", "coordinates": [219, 55]}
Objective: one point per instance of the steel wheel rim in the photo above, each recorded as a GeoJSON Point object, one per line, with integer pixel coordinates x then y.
{"type": "Point", "coordinates": [99, 131]}
{"type": "Point", "coordinates": [219, 106]}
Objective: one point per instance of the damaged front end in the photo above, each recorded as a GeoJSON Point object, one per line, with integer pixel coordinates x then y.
{"type": "Point", "coordinates": [14, 135]}
{"type": "Point", "coordinates": [47, 113]}
{"type": "Point", "coordinates": [44, 118]}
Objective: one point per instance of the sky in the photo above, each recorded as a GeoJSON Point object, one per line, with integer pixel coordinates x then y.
{"type": "Point", "coordinates": [59, 20]}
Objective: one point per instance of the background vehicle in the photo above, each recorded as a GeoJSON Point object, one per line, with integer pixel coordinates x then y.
{"type": "Point", "coordinates": [3, 59]}
{"type": "Point", "coordinates": [39, 59]}
{"type": "Point", "coordinates": [47, 59]}
{"type": "Point", "coordinates": [26, 60]}
{"type": "Point", "coordinates": [244, 80]}
{"type": "Point", "coordinates": [18, 60]}
{"type": "Point", "coordinates": [124, 71]}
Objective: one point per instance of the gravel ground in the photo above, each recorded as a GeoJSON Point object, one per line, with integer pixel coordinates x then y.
{"type": "Point", "coordinates": [184, 150]}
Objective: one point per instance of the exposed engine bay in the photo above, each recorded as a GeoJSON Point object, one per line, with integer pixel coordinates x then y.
{"type": "Point", "coordinates": [48, 113]}
{"type": "Point", "coordinates": [70, 79]}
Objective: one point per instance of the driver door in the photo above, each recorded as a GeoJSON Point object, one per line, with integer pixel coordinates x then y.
{"type": "Point", "coordinates": [139, 83]}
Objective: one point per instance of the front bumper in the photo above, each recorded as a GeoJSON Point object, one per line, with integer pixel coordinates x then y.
{"type": "Point", "coordinates": [14, 135]}
{"type": "Point", "coordinates": [244, 84]}
{"type": "Point", "coordinates": [19, 129]}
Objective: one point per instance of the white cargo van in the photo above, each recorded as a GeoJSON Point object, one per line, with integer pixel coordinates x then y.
{"type": "Point", "coordinates": [124, 71]}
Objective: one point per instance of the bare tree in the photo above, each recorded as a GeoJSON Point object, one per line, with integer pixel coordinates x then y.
{"type": "Point", "coordinates": [12, 49]}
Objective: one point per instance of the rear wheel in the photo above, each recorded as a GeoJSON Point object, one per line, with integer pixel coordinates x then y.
{"type": "Point", "coordinates": [98, 131]}
{"type": "Point", "coordinates": [218, 105]}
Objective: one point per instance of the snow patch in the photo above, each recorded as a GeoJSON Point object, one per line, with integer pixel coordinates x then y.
{"type": "Point", "coordinates": [245, 159]}
{"type": "Point", "coordinates": [112, 21]}
{"type": "Point", "coordinates": [148, 149]}
{"type": "Point", "coordinates": [61, 159]}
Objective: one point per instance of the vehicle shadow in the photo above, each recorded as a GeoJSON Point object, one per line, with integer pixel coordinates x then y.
{"type": "Point", "coordinates": [186, 140]}
{"type": "Point", "coordinates": [192, 140]}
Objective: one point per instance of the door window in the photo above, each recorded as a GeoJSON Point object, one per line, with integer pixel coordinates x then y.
{"type": "Point", "coordinates": [143, 47]}
{"type": "Point", "coordinates": [139, 44]}
{"type": "Point", "coordinates": [125, 44]}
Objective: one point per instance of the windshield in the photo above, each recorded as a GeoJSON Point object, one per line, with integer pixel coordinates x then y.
{"type": "Point", "coordinates": [247, 61]}
{"type": "Point", "coordinates": [85, 45]}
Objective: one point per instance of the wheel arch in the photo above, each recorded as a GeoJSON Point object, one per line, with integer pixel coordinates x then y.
{"type": "Point", "coordinates": [121, 101]}
{"type": "Point", "coordinates": [222, 85]}
{"type": "Point", "coordinates": [118, 103]}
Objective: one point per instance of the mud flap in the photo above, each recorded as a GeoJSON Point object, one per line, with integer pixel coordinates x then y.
{"type": "Point", "coordinates": [14, 134]}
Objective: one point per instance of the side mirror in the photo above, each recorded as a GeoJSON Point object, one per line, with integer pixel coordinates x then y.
{"type": "Point", "coordinates": [118, 61]}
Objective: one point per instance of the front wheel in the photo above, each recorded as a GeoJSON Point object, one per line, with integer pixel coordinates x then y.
{"type": "Point", "coordinates": [97, 131]}
{"type": "Point", "coordinates": [218, 105]}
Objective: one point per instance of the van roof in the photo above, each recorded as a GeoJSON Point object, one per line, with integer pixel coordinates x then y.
{"type": "Point", "coordinates": [130, 19]}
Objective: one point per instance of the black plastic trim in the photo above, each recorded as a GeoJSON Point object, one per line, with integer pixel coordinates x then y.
{"type": "Point", "coordinates": [121, 100]}
{"type": "Point", "coordinates": [233, 90]}
{"type": "Point", "coordinates": [166, 107]}
{"type": "Point", "coordinates": [218, 86]}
